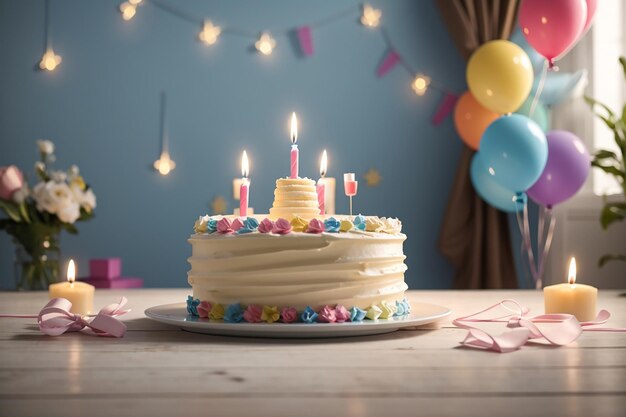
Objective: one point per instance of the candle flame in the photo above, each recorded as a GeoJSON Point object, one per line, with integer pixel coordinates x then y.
{"type": "Point", "coordinates": [571, 276]}
{"type": "Point", "coordinates": [294, 128]}
{"type": "Point", "coordinates": [71, 272]}
{"type": "Point", "coordinates": [324, 164]}
{"type": "Point", "coordinates": [245, 168]}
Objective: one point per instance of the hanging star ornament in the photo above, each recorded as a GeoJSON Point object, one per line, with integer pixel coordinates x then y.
{"type": "Point", "coordinates": [371, 16]}
{"type": "Point", "coordinates": [420, 84]}
{"type": "Point", "coordinates": [50, 60]}
{"type": "Point", "coordinates": [209, 33]}
{"type": "Point", "coordinates": [265, 44]}
{"type": "Point", "coordinates": [219, 205]}
{"type": "Point", "coordinates": [372, 178]}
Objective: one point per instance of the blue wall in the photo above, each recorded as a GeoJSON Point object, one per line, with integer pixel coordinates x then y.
{"type": "Point", "coordinates": [101, 108]}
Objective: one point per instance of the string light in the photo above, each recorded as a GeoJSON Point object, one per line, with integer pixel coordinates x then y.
{"type": "Point", "coordinates": [265, 44]}
{"type": "Point", "coordinates": [371, 16]}
{"type": "Point", "coordinates": [164, 164]}
{"type": "Point", "coordinates": [50, 60]}
{"type": "Point", "coordinates": [129, 8]}
{"type": "Point", "coordinates": [420, 84]}
{"type": "Point", "coordinates": [209, 33]}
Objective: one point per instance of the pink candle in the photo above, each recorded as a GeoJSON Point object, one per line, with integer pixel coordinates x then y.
{"type": "Point", "coordinates": [295, 154]}
{"type": "Point", "coordinates": [244, 193]}
{"type": "Point", "coordinates": [321, 196]}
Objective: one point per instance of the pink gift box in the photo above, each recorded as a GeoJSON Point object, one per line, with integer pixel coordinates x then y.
{"type": "Point", "coordinates": [120, 282]}
{"type": "Point", "coordinates": [105, 268]}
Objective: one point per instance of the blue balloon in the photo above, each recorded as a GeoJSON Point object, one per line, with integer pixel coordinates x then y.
{"type": "Point", "coordinates": [541, 116]}
{"type": "Point", "coordinates": [489, 190]}
{"type": "Point", "coordinates": [515, 151]}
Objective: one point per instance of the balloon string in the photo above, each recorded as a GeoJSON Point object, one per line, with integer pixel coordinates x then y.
{"type": "Point", "coordinates": [522, 223]}
{"type": "Point", "coordinates": [548, 239]}
{"type": "Point", "coordinates": [542, 81]}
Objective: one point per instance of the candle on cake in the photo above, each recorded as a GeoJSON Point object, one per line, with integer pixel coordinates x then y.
{"type": "Point", "coordinates": [295, 154]}
{"type": "Point", "coordinates": [321, 186]}
{"type": "Point", "coordinates": [571, 298]}
{"type": "Point", "coordinates": [80, 294]}
{"type": "Point", "coordinates": [244, 191]}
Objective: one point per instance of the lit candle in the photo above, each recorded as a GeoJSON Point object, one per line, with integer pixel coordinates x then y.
{"type": "Point", "coordinates": [321, 186]}
{"type": "Point", "coordinates": [571, 298]}
{"type": "Point", "coordinates": [244, 191]}
{"type": "Point", "coordinates": [350, 186]}
{"type": "Point", "coordinates": [295, 154]}
{"type": "Point", "coordinates": [80, 294]}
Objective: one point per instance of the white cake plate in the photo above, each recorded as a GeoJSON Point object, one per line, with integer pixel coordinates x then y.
{"type": "Point", "coordinates": [176, 315]}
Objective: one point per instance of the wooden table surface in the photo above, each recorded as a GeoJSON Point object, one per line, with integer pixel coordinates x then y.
{"type": "Point", "coordinates": [157, 370]}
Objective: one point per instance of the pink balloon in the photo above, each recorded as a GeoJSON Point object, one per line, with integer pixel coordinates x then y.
{"type": "Point", "coordinates": [592, 5]}
{"type": "Point", "coordinates": [552, 26]}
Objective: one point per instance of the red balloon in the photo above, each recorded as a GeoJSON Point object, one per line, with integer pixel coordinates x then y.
{"type": "Point", "coordinates": [592, 5]}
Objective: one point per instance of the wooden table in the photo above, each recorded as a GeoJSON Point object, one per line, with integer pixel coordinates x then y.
{"type": "Point", "coordinates": [156, 370]}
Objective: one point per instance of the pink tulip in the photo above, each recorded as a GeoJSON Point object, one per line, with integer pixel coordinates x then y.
{"type": "Point", "coordinates": [11, 180]}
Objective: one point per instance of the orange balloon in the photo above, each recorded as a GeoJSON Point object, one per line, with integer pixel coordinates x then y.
{"type": "Point", "coordinates": [471, 119]}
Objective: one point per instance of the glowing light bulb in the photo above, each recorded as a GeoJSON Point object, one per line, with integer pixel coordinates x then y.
{"type": "Point", "coordinates": [49, 60]}
{"type": "Point", "coordinates": [420, 84]}
{"type": "Point", "coordinates": [371, 16]}
{"type": "Point", "coordinates": [129, 9]}
{"type": "Point", "coordinates": [209, 33]}
{"type": "Point", "coordinates": [265, 44]}
{"type": "Point", "coordinates": [164, 164]}
{"type": "Point", "coordinates": [135, 2]}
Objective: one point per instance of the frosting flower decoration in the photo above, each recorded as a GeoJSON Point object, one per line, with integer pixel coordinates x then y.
{"type": "Point", "coordinates": [251, 223]}
{"type": "Point", "coordinates": [407, 305]}
{"type": "Point", "coordinates": [357, 314]}
{"type": "Point", "coordinates": [373, 313]}
{"type": "Point", "coordinates": [373, 224]}
{"type": "Point", "coordinates": [400, 308]}
{"type": "Point", "coordinates": [233, 313]}
{"type": "Point", "coordinates": [298, 224]}
{"type": "Point", "coordinates": [192, 305]}
{"type": "Point", "coordinates": [332, 225]}
{"type": "Point", "coordinates": [237, 224]}
{"type": "Point", "coordinates": [211, 226]}
{"type": "Point", "coordinates": [282, 227]}
{"type": "Point", "coordinates": [341, 313]}
{"type": "Point", "coordinates": [387, 310]}
{"type": "Point", "coordinates": [224, 226]}
{"type": "Point", "coordinates": [288, 315]}
{"type": "Point", "coordinates": [203, 309]}
{"type": "Point", "coordinates": [270, 314]}
{"type": "Point", "coordinates": [391, 225]}
{"type": "Point", "coordinates": [252, 314]}
{"type": "Point", "coordinates": [217, 312]}
{"type": "Point", "coordinates": [346, 226]}
{"type": "Point", "coordinates": [327, 315]}
{"type": "Point", "coordinates": [308, 315]}
{"type": "Point", "coordinates": [200, 226]}
{"type": "Point", "coordinates": [359, 222]}
{"type": "Point", "coordinates": [315, 226]}
{"type": "Point", "coordinates": [266, 226]}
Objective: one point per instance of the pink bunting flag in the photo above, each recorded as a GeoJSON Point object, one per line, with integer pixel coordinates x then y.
{"type": "Point", "coordinates": [391, 60]}
{"type": "Point", "coordinates": [305, 39]}
{"type": "Point", "coordinates": [445, 108]}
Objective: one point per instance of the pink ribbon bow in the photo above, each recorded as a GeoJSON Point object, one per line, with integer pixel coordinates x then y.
{"type": "Point", "coordinates": [55, 319]}
{"type": "Point", "coordinates": [556, 329]}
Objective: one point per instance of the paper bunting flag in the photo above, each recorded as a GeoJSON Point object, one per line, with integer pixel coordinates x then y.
{"type": "Point", "coordinates": [391, 60]}
{"type": "Point", "coordinates": [305, 39]}
{"type": "Point", "coordinates": [445, 108]}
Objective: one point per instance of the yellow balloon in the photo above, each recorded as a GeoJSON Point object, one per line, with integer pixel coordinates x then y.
{"type": "Point", "coordinates": [500, 76]}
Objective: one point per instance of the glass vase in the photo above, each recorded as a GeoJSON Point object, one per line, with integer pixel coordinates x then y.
{"type": "Point", "coordinates": [38, 268]}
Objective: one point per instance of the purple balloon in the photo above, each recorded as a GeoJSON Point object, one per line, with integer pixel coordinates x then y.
{"type": "Point", "coordinates": [566, 171]}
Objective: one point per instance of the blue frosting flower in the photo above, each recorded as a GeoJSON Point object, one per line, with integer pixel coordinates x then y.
{"type": "Point", "coordinates": [356, 314]}
{"type": "Point", "coordinates": [244, 230]}
{"type": "Point", "coordinates": [308, 315]}
{"type": "Point", "coordinates": [359, 222]}
{"type": "Point", "coordinates": [192, 305]}
{"type": "Point", "coordinates": [400, 308]}
{"type": "Point", "coordinates": [407, 306]}
{"type": "Point", "coordinates": [332, 225]}
{"type": "Point", "coordinates": [211, 226]}
{"type": "Point", "coordinates": [251, 223]}
{"type": "Point", "coordinates": [233, 313]}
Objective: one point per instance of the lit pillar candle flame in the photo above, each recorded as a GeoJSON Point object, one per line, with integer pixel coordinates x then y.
{"type": "Point", "coordinates": [244, 190]}
{"type": "Point", "coordinates": [321, 186]}
{"type": "Point", "coordinates": [295, 154]}
{"type": "Point", "coordinates": [80, 294]}
{"type": "Point", "coordinates": [571, 276]}
{"type": "Point", "coordinates": [71, 272]}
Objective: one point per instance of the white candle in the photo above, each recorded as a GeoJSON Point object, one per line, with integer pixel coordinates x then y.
{"type": "Point", "coordinates": [80, 294]}
{"type": "Point", "coordinates": [571, 298]}
{"type": "Point", "coordinates": [244, 191]}
{"type": "Point", "coordinates": [236, 188]}
{"type": "Point", "coordinates": [295, 154]}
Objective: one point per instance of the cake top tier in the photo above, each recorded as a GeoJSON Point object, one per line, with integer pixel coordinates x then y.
{"type": "Point", "coordinates": [295, 197]}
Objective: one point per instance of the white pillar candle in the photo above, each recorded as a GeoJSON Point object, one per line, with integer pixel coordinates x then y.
{"type": "Point", "coordinates": [80, 294]}
{"type": "Point", "coordinates": [571, 298]}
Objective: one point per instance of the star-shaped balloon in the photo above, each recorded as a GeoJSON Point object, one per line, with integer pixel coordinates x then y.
{"type": "Point", "coordinates": [49, 60]}
{"type": "Point", "coordinates": [372, 177]}
{"type": "Point", "coordinates": [209, 33]}
{"type": "Point", "coordinates": [219, 205]}
{"type": "Point", "coordinates": [265, 44]}
{"type": "Point", "coordinates": [371, 16]}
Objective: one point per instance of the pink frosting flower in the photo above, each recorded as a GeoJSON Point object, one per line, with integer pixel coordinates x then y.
{"type": "Point", "coordinates": [315, 226]}
{"type": "Point", "coordinates": [266, 226]}
{"type": "Point", "coordinates": [224, 226]}
{"type": "Point", "coordinates": [282, 227]}
{"type": "Point", "coordinates": [288, 315]}
{"type": "Point", "coordinates": [327, 315]}
{"type": "Point", "coordinates": [253, 313]}
{"type": "Point", "coordinates": [342, 314]}
{"type": "Point", "coordinates": [11, 180]}
{"type": "Point", "coordinates": [236, 224]}
{"type": "Point", "coordinates": [204, 308]}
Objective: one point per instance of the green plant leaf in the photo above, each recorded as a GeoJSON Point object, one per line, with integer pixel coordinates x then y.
{"type": "Point", "coordinates": [609, 169]}
{"type": "Point", "coordinates": [24, 212]}
{"type": "Point", "coordinates": [622, 60]}
{"type": "Point", "coordinates": [71, 229]}
{"type": "Point", "coordinates": [593, 102]}
{"type": "Point", "coordinates": [610, 257]}
{"type": "Point", "coordinates": [11, 210]}
{"type": "Point", "coordinates": [611, 213]}
{"type": "Point", "coordinates": [604, 154]}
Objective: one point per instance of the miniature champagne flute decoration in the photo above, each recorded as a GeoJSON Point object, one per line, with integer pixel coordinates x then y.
{"type": "Point", "coordinates": [350, 185]}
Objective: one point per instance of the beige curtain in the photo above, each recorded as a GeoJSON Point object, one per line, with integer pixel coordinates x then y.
{"type": "Point", "coordinates": [475, 236]}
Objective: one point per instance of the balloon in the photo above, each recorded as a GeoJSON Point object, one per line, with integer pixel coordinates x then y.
{"type": "Point", "coordinates": [500, 76]}
{"type": "Point", "coordinates": [566, 171]}
{"type": "Point", "coordinates": [515, 150]}
{"type": "Point", "coordinates": [471, 119]}
{"type": "Point", "coordinates": [553, 26]}
{"type": "Point", "coordinates": [489, 190]}
{"type": "Point", "coordinates": [540, 115]}
{"type": "Point", "coordinates": [592, 5]}
{"type": "Point", "coordinates": [560, 86]}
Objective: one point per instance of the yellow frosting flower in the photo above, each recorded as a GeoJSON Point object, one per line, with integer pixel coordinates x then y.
{"type": "Point", "coordinates": [387, 310]}
{"type": "Point", "coordinates": [200, 226]}
{"type": "Point", "coordinates": [270, 314]}
{"type": "Point", "coordinates": [346, 225]}
{"type": "Point", "coordinates": [373, 224]}
{"type": "Point", "coordinates": [373, 312]}
{"type": "Point", "coordinates": [298, 224]}
{"type": "Point", "coordinates": [217, 312]}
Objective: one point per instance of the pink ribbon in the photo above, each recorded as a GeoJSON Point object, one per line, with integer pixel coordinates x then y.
{"type": "Point", "coordinates": [556, 329]}
{"type": "Point", "coordinates": [55, 319]}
